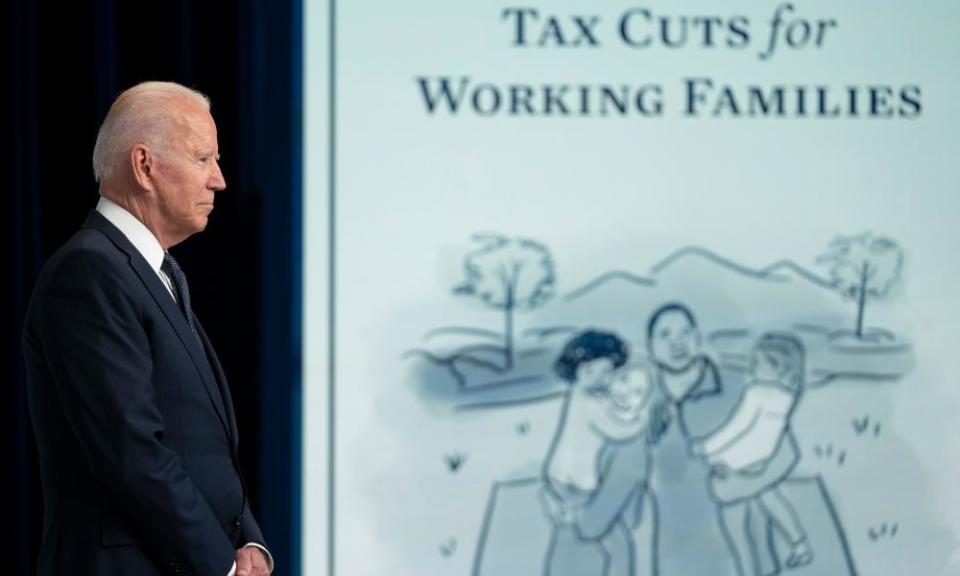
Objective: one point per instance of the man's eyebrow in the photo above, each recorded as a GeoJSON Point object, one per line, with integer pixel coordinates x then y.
{"type": "Point", "coordinates": [207, 152]}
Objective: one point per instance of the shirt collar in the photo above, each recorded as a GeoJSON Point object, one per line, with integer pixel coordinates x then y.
{"type": "Point", "coordinates": [139, 235]}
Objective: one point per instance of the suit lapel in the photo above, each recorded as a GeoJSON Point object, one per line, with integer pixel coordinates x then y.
{"type": "Point", "coordinates": [169, 308]}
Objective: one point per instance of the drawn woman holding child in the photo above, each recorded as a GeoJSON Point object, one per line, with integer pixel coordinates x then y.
{"type": "Point", "coordinates": [595, 473]}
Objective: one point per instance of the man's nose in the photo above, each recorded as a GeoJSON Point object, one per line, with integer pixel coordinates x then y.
{"type": "Point", "coordinates": [217, 181]}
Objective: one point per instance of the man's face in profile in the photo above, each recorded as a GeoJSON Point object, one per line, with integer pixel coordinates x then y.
{"type": "Point", "coordinates": [187, 173]}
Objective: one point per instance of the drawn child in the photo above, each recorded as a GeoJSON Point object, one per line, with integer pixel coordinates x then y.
{"type": "Point", "coordinates": [607, 405]}
{"type": "Point", "coordinates": [757, 428]}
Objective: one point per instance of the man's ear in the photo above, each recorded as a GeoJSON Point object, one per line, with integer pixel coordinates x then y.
{"type": "Point", "coordinates": [142, 164]}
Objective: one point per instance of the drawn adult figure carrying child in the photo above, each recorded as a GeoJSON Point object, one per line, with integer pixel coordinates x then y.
{"type": "Point", "coordinates": [595, 474]}
{"type": "Point", "coordinates": [754, 451]}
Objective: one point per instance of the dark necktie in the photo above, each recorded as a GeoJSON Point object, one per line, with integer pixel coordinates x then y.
{"type": "Point", "coordinates": [181, 291]}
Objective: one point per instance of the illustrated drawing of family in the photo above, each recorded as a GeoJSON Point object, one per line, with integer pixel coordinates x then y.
{"type": "Point", "coordinates": [668, 443]}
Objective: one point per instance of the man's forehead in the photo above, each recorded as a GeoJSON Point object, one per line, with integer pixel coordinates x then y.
{"type": "Point", "coordinates": [198, 119]}
{"type": "Point", "coordinates": [196, 127]}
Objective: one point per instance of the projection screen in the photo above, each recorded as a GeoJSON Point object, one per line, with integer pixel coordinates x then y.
{"type": "Point", "coordinates": [631, 288]}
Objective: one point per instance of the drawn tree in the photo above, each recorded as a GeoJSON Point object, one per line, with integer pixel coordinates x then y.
{"type": "Point", "coordinates": [863, 267]}
{"type": "Point", "coordinates": [508, 274]}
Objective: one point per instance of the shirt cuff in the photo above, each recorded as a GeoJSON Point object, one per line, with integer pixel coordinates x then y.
{"type": "Point", "coordinates": [265, 551]}
{"type": "Point", "coordinates": [233, 569]}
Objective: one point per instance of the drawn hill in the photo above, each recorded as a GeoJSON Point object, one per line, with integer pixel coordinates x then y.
{"type": "Point", "coordinates": [733, 303]}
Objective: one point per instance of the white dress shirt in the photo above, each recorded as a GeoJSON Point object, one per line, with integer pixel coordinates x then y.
{"type": "Point", "coordinates": [139, 235]}
{"type": "Point", "coordinates": [149, 247]}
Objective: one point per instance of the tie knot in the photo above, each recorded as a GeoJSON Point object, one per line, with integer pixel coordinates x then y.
{"type": "Point", "coordinates": [171, 268]}
{"type": "Point", "coordinates": [169, 263]}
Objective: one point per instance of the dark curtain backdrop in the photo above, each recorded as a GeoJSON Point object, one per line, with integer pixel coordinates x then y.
{"type": "Point", "coordinates": [65, 63]}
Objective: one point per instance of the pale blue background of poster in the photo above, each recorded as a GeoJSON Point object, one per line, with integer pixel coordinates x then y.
{"type": "Point", "coordinates": [603, 193]}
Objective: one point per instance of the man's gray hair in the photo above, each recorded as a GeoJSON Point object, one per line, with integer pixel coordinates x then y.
{"type": "Point", "coordinates": [139, 115]}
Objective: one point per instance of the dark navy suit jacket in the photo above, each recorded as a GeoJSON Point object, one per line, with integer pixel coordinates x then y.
{"type": "Point", "coordinates": [133, 420]}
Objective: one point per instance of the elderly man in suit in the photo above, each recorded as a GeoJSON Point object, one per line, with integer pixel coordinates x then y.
{"type": "Point", "coordinates": [131, 409]}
